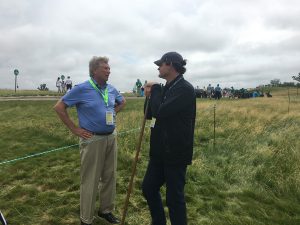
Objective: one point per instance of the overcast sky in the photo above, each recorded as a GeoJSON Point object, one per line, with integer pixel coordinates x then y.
{"type": "Point", "coordinates": [238, 43]}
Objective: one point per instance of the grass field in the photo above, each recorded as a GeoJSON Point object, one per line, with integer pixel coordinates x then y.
{"type": "Point", "coordinates": [250, 177]}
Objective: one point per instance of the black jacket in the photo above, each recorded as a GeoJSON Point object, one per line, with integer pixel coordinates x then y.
{"type": "Point", "coordinates": [172, 137]}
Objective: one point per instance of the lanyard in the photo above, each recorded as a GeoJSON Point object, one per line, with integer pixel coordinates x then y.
{"type": "Point", "coordinates": [105, 95]}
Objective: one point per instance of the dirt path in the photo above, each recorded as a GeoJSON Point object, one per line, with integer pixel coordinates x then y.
{"type": "Point", "coordinates": [29, 98]}
{"type": "Point", "coordinates": [40, 98]}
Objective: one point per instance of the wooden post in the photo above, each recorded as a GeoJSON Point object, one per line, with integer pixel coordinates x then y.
{"type": "Point", "coordinates": [214, 127]}
{"type": "Point", "coordinates": [289, 100]}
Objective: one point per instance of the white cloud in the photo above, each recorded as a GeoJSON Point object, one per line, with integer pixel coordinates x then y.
{"type": "Point", "coordinates": [231, 42]}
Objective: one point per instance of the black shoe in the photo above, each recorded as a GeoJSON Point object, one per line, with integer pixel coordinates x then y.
{"type": "Point", "coordinates": [82, 223]}
{"type": "Point", "coordinates": [109, 217]}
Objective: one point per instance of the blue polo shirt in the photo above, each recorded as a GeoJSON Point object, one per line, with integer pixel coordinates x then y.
{"type": "Point", "coordinates": [90, 105]}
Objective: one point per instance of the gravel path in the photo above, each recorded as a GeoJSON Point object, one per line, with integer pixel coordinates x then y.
{"type": "Point", "coordinates": [40, 98]}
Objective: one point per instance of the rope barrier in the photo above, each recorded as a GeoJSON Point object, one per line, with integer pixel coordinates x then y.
{"type": "Point", "coordinates": [210, 107]}
{"type": "Point", "coordinates": [36, 154]}
{"type": "Point", "coordinates": [57, 149]}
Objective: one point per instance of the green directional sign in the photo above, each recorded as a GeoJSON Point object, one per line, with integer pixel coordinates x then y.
{"type": "Point", "coordinates": [16, 72]}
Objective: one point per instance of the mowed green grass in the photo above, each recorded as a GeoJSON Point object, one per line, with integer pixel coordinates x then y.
{"type": "Point", "coordinates": [251, 175]}
{"type": "Point", "coordinates": [12, 93]}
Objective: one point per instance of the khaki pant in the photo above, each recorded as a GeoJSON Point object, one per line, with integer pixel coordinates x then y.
{"type": "Point", "coordinates": [97, 173]}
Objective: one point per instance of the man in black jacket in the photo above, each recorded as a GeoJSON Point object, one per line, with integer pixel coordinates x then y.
{"type": "Point", "coordinates": [173, 111]}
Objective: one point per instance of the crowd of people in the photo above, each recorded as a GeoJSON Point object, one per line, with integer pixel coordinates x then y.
{"type": "Point", "coordinates": [218, 93]}
{"type": "Point", "coordinates": [210, 92]}
{"type": "Point", "coordinates": [63, 86]}
{"type": "Point", "coordinates": [139, 88]}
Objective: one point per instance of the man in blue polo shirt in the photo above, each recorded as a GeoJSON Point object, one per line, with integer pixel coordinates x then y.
{"type": "Point", "coordinates": [97, 104]}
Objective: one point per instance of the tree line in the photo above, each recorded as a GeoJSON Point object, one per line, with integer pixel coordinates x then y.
{"type": "Point", "coordinates": [277, 83]}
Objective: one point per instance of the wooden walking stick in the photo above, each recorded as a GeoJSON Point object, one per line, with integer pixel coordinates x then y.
{"type": "Point", "coordinates": [134, 164]}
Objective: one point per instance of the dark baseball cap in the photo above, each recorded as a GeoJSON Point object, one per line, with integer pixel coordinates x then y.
{"type": "Point", "coordinates": [171, 57]}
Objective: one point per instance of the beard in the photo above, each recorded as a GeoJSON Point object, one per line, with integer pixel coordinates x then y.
{"type": "Point", "coordinates": [162, 76]}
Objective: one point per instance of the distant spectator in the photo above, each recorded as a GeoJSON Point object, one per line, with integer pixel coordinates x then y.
{"type": "Point", "coordinates": [232, 91]}
{"type": "Point", "coordinates": [58, 85]}
{"type": "Point", "coordinates": [218, 92]}
{"type": "Point", "coordinates": [142, 91]}
{"type": "Point", "coordinates": [138, 85]}
{"type": "Point", "coordinates": [209, 91]}
{"type": "Point", "coordinates": [63, 86]}
{"type": "Point", "coordinates": [68, 83]}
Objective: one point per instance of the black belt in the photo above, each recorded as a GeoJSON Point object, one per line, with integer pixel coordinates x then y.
{"type": "Point", "coordinates": [107, 133]}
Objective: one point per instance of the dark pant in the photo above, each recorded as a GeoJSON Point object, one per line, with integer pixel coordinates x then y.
{"type": "Point", "coordinates": [218, 95]}
{"type": "Point", "coordinates": [174, 177]}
